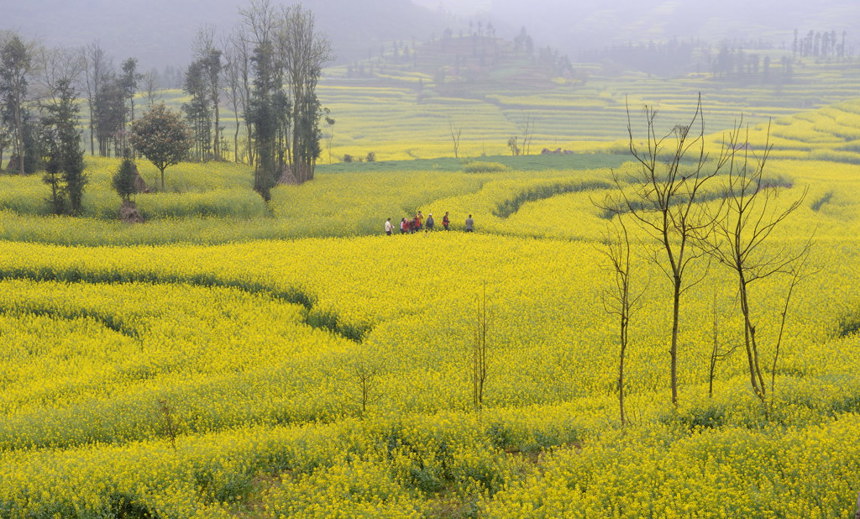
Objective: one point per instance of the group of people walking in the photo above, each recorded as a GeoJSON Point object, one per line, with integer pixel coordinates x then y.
{"type": "Point", "coordinates": [418, 223]}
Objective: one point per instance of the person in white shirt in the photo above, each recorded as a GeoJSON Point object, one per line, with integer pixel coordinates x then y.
{"type": "Point", "coordinates": [388, 227]}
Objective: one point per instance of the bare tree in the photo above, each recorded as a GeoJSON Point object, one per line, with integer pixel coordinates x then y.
{"type": "Point", "coordinates": [513, 144]}
{"type": "Point", "coordinates": [238, 75]}
{"type": "Point", "coordinates": [617, 300]}
{"type": "Point", "coordinates": [329, 121]}
{"type": "Point", "coordinates": [150, 87]}
{"type": "Point", "coordinates": [797, 272]}
{"type": "Point", "coordinates": [744, 224]}
{"type": "Point", "coordinates": [302, 52]}
{"type": "Point", "coordinates": [528, 131]}
{"type": "Point", "coordinates": [663, 197]}
{"type": "Point", "coordinates": [60, 65]}
{"type": "Point", "coordinates": [97, 69]}
{"type": "Point", "coordinates": [479, 350]}
{"type": "Point", "coordinates": [366, 375]}
{"type": "Point", "coordinates": [455, 138]}
{"type": "Point", "coordinates": [209, 56]}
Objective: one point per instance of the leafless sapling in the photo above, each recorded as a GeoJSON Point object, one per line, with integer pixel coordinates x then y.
{"type": "Point", "coordinates": [617, 299]}
{"type": "Point", "coordinates": [743, 226]}
{"type": "Point", "coordinates": [455, 137]}
{"type": "Point", "coordinates": [718, 353]}
{"type": "Point", "coordinates": [366, 375]}
{"type": "Point", "coordinates": [528, 132]}
{"type": "Point", "coordinates": [479, 350]}
{"type": "Point", "coordinates": [170, 429]}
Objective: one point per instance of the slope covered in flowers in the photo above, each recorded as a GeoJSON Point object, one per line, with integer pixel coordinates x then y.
{"type": "Point", "coordinates": [328, 375]}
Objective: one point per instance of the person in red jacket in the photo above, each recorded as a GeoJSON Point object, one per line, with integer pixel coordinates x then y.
{"type": "Point", "coordinates": [445, 221]}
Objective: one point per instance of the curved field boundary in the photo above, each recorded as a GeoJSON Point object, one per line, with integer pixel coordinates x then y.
{"type": "Point", "coordinates": [681, 199]}
{"type": "Point", "coordinates": [510, 206]}
{"type": "Point", "coordinates": [818, 204]}
{"type": "Point", "coordinates": [108, 321]}
{"type": "Point", "coordinates": [323, 320]}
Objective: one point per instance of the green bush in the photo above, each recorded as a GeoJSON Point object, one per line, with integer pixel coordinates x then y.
{"type": "Point", "coordinates": [484, 167]}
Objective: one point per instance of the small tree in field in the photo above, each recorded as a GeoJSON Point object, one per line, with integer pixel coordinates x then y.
{"type": "Point", "coordinates": [64, 157]}
{"type": "Point", "coordinates": [162, 137]}
{"type": "Point", "coordinates": [455, 138]}
{"type": "Point", "coordinates": [123, 180]}
{"type": "Point", "coordinates": [743, 226]}
{"type": "Point", "coordinates": [479, 349]}
{"type": "Point", "coordinates": [617, 299]}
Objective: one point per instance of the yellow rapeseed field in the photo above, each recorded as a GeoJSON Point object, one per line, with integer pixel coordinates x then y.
{"type": "Point", "coordinates": [293, 361]}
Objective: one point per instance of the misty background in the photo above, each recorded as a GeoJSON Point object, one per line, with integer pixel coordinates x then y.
{"type": "Point", "coordinates": [159, 33]}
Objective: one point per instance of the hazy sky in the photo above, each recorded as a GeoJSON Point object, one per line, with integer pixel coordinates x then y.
{"type": "Point", "coordinates": [141, 27]}
{"type": "Point", "coordinates": [459, 7]}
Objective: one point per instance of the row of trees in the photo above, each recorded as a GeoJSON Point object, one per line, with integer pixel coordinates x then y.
{"type": "Point", "coordinates": [286, 59]}
{"type": "Point", "coordinates": [42, 133]}
{"type": "Point", "coordinates": [827, 44]}
{"type": "Point", "coordinates": [267, 70]}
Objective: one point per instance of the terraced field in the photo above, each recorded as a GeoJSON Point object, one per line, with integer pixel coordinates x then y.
{"type": "Point", "coordinates": [400, 120]}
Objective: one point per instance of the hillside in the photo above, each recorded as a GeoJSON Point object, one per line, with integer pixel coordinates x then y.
{"type": "Point", "coordinates": [229, 358]}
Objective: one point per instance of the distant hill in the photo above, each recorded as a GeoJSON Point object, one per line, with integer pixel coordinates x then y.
{"type": "Point", "coordinates": [160, 32]}
{"type": "Point", "coordinates": [595, 24]}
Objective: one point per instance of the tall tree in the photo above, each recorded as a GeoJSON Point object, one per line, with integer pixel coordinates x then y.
{"type": "Point", "coordinates": [162, 137]}
{"type": "Point", "coordinates": [266, 119]}
{"type": "Point", "coordinates": [130, 79]}
{"type": "Point", "coordinates": [303, 52]}
{"type": "Point", "coordinates": [111, 115]}
{"type": "Point", "coordinates": [16, 62]}
{"type": "Point", "coordinates": [210, 58]}
{"type": "Point", "coordinates": [238, 75]}
{"type": "Point", "coordinates": [197, 109]}
{"type": "Point", "coordinates": [96, 70]}
{"type": "Point", "coordinates": [742, 228]}
{"type": "Point", "coordinates": [63, 154]}
{"type": "Point", "coordinates": [261, 26]}
{"type": "Point", "coordinates": [663, 197]}
{"type": "Point", "coordinates": [5, 139]}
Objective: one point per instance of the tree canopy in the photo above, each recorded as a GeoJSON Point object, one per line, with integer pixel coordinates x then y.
{"type": "Point", "coordinates": [162, 137]}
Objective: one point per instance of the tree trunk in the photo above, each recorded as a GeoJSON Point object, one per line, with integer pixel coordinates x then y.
{"type": "Point", "coordinates": [92, 134]}
{"type": "Point", "coordinates": [673, 350]}
{"type": "Point", "coordinates": [749, 342]}
{"type": "Point", "coordinates": [216, 148]}
{"type": "Point", "coordinates": [162, 179]}
{"type": "Point", "coordinates": [236, 143]}
{"type": "Point", "coordinates": [19, 123]}
{"type": "Point", "coordinates": [624, 323]}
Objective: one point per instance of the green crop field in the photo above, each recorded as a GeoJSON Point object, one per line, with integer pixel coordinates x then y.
{"type": "Point", "coordinates": [232, 358]}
